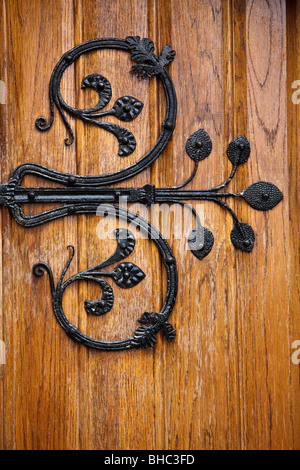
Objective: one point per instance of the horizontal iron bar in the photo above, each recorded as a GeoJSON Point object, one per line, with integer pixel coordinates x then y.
{"type": "Point", "coordinates": [77, 195]}
{"type": "Point", "coordinates": [169, 194]}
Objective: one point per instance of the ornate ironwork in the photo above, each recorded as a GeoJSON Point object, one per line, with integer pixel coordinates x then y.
{"type": "Point", "coordinates": [83, 194]}
{"type": "Point", "coordinates": [126, 275]}
{"type": "Point", "coordinates": [141, 51]}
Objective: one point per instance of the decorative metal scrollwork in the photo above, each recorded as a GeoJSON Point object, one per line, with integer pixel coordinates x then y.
{"type": "Point", "coordinates": [125, 108]}
{"type": "Point", "coordinates": [83, 194]}
{"type": "Point", "coordinates": [125, 275]}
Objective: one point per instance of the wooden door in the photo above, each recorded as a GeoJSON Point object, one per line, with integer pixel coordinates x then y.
{"type": "Point", "coordinates": [230, 379]}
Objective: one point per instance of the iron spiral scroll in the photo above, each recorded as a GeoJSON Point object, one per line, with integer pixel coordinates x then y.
{"type": "Point", "coordinates": [152, 322]}
{"type": "Point", "coordinates": [83, 194]}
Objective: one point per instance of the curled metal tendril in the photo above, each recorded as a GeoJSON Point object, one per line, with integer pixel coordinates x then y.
{"type": "Point", "coordinates": [125, 275]}
{"type": "Point", "coordinates": [125, 108]}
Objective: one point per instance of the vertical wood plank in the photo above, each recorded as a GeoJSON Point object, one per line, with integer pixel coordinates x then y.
{"type": "Point", "coordinates": [235, 123]}
{"type": "Point", "coordinates": [122, 383]}
{"type": "Point", "coordinates": [3, 153]}
{"type": "Point", "coordinates": [264, 304]}
{"type": "Point", "coordinates": [293, 125]}
{"type": "Point", "coordinates": [41, 374]}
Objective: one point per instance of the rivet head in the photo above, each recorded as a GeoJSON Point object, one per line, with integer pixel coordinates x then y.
{"type": "Point", "coordinates": [199, 144]}
{"type": "Point", "coordinates": [102, 304]}
{"type": "Point", "coordinates": [241, 146]}
{"type": "Point", "coordinates": [169, 260]}
{"type": "Point", "coordinates": [127, 109]}
{"type": "Point", "coordinates": [31, 195]}
{"type": "Point", "coordinates": [168, 125]}
{"type": "Point", "coordinates": [69, 58]}
{"type": "Point", "coordinates": [71, 210]}
{"type": "Point", "coordinates": [246, 242]}
{"type": "Point", "coordinates": [71, 180]}
{"type": "Point", "coordinates": [126, 275]}
{"type": "Point", "coordinates": [123, 245]}
{"type": "Point", "coordinates": [265, 196]}
{"type": "Point", "coordinates": [124, 140]}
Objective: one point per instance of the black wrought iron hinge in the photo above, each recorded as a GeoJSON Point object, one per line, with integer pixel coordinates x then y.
{"type": "Point", "coordinates": [83, 194]}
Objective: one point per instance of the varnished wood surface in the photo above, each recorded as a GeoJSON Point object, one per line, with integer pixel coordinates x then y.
{"type": "Point", "coordinates": [227, 381]}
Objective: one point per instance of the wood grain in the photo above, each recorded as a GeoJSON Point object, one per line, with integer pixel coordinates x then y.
{"type": "Point", "coordinates": [266, 355]}
{"type": "Point", "coordinates": [227, 381]}
{"type": "Point", "coordinates": [293, 262]}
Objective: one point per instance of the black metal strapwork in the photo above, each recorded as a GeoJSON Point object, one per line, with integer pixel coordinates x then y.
{"type": "Point", "coordinates": [83, 194]}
